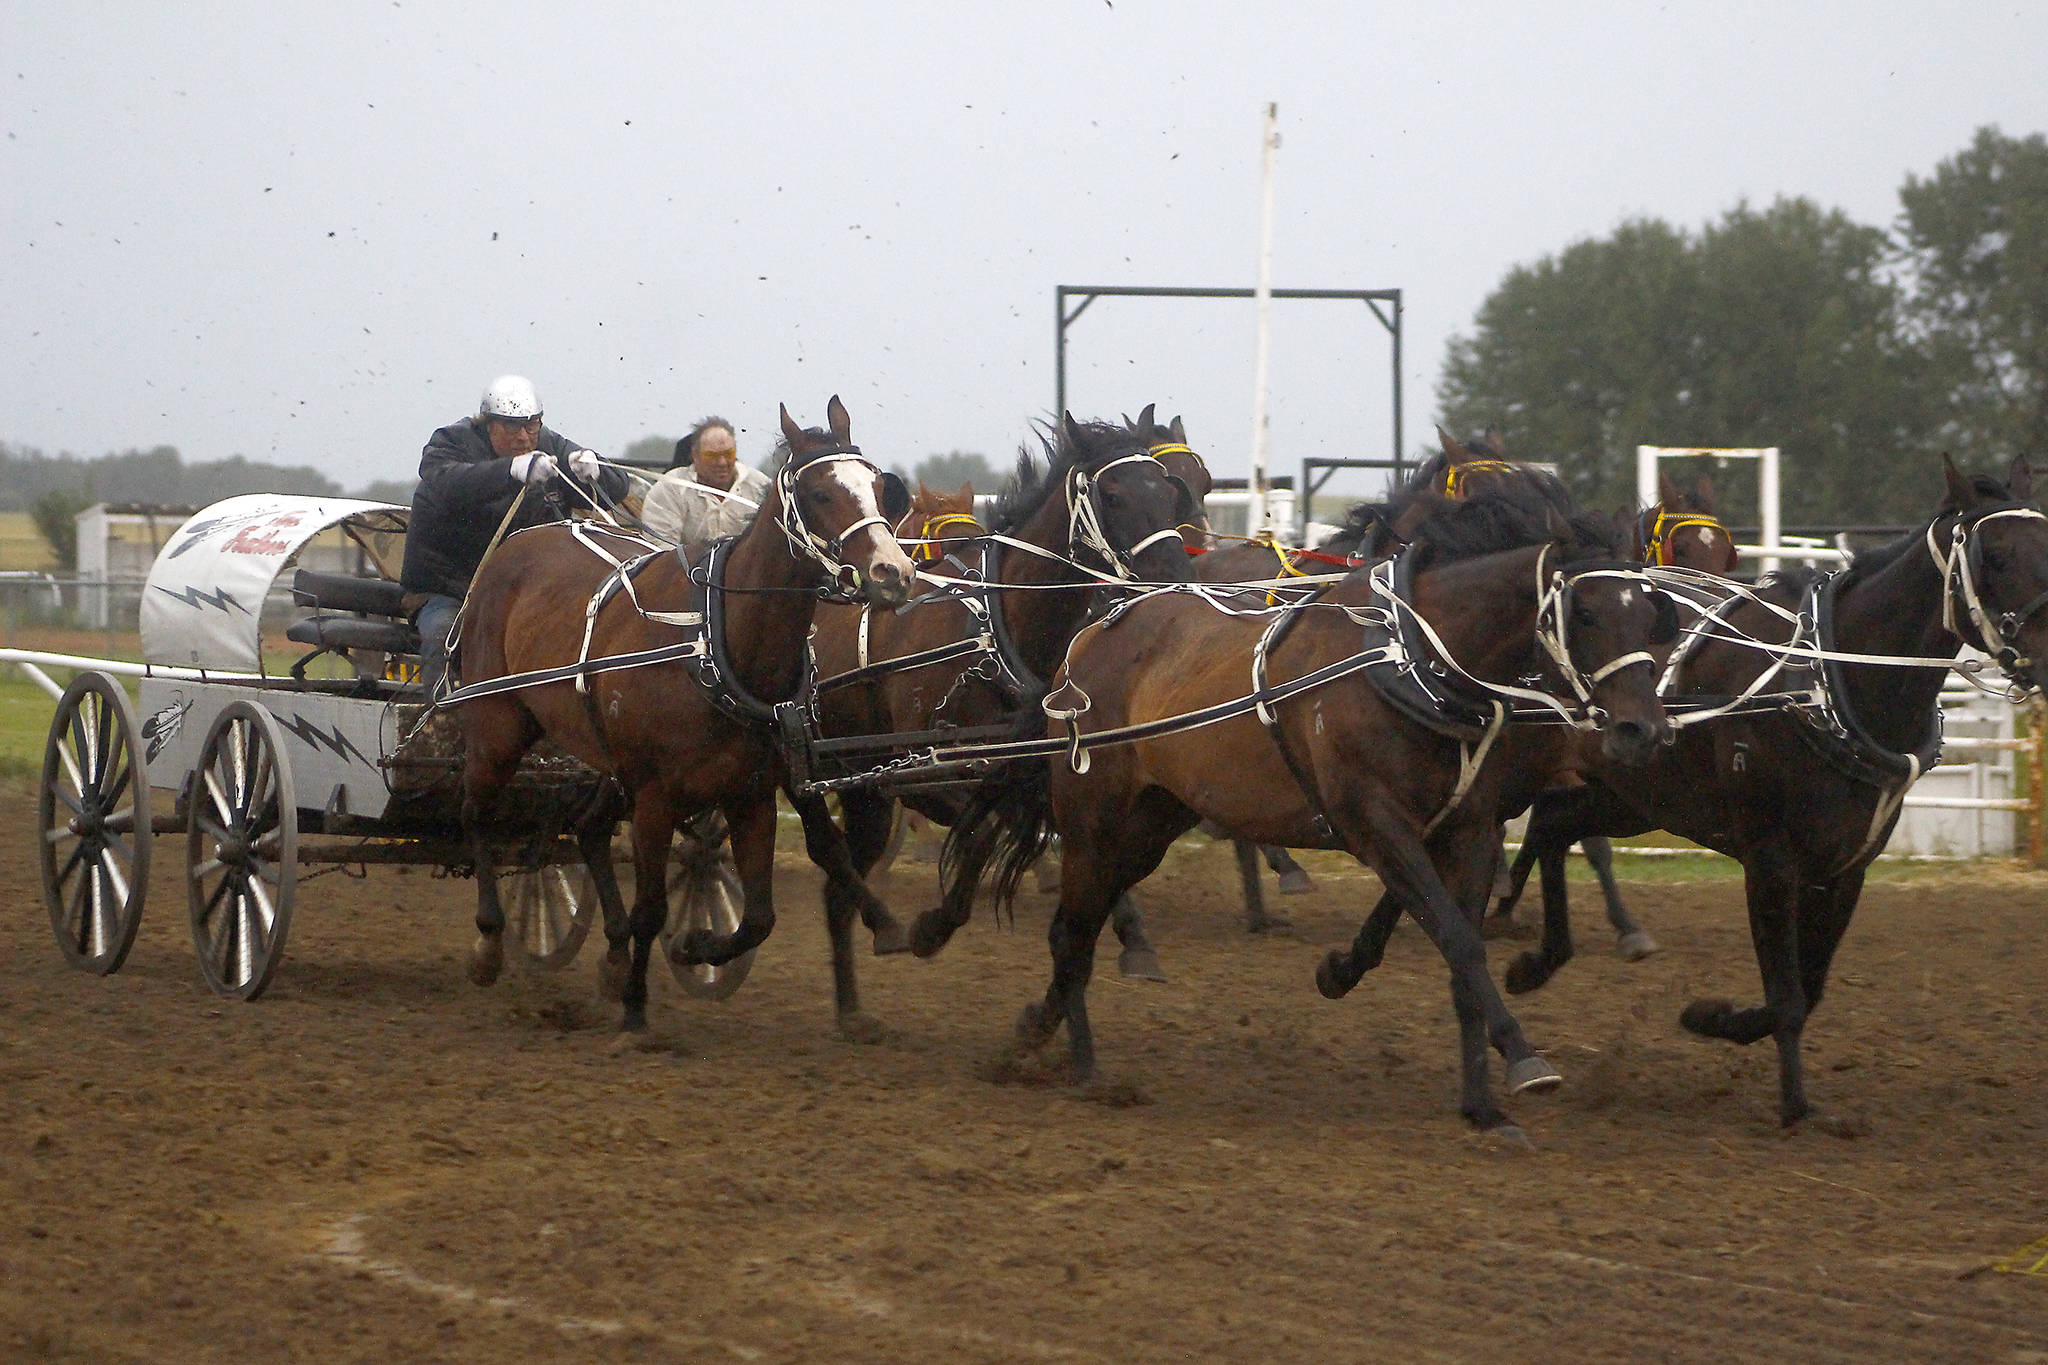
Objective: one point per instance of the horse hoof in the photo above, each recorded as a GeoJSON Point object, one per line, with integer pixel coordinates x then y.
{"type": "Point", "coordinates": [1637, 945]}
{"type": "Point", "coordinates": [1296, 882]}
{"type": "Point", "coordinates": [1140, 964]}
{"type": "Point", "coordinates": [1505, 1138]}
{"type": "Point", "coordinates": [1533, 1075]}
{"type": "Point", "coordinates": [1525, 974]}
{"type": "Point", "coordinates": [890, 938]}
{"type": "Point", "coordinates": [612, 971]}
{"type": "Point", "coordinates": [1331, 974]}
{"type": "Point", "coordinates": [928, 933]}
{"type": "Point", "coordinates": [1707, 1018]}
{"type": "Point", "coordinates": [1834, 1125]}
{"type": "Point", "coordinates": [856, 1027]}
{"type": "Point", "coordinates": [487, 959]}
{"type": "Point", "coordinates": [1032, 1031]}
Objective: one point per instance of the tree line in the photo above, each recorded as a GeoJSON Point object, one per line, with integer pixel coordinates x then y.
{"type": "Point", "coordinates": [1861, 352]}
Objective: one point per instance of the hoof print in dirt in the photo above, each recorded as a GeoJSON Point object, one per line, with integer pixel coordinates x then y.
{"type": "Point", "coordinates": [1505, 1139]}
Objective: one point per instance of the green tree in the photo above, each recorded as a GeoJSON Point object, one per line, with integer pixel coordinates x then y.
{"type": "Point", "coordinates": [56, 515]}
{"type": "Point", "coordinates": [1778, 327]}
{"type": "Point", "coordinates": [650, 452]}
{"type": "Point", "coordinates": [1976, 238]}
{"type": "Point", "coordinates": [947, 472]}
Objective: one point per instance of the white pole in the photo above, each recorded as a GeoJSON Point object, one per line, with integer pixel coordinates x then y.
{"type": "Point", "coordinates": [1646, 476]}
{"type": "Point", "coordinates": [1767, 505]}
{"type": "Point", "coordinates": [1256, 514]}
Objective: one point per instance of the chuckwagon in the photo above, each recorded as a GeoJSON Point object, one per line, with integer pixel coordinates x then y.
{"type": "Point", "coordinates": [267, 772]}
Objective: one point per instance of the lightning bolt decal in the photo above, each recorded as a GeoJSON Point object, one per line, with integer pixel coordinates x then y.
{"type": "Point", "coordinates": [313, 737]}
{"type": "Point", "coordinates": [192, 597]}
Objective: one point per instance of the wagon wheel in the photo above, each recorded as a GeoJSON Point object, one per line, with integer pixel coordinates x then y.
{"type": "Point", "coordinates": [241, 850]}
{"type": "Point", "coordinates": [704, 892]}
{"type": "Point", "coordinates": [93, 810]}
{"type": "Point", "coordinates": [552, 908]}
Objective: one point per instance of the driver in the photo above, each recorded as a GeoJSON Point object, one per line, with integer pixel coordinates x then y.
{"type": "Point", "coordinates": [709, 493]}
{"type": "Point", "coordinates": [470, 473]}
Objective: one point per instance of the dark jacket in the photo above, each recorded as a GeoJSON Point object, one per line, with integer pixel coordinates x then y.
{"type": "Point", "coordinates": [465, 490]}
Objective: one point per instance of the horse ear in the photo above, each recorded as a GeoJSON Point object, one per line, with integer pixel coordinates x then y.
{"type": "Point", "coordinates": [791, 432]}
{"type": "Point", "coordinates": [1144, 423]}
{"type": "Point", "coordinates": [1961, 492]}
{"type": "Point", "coordinates": [1453, 452]}
{"type": "Point", "coordinates": [841, 424]}
{"type": "Point", "coordinates": [1703, 494]}
{"type": "Point", "coordinates": [1495, 445]}
{"type": "Point", "coordinates": [1070, 431]}
{"type": "Point", "coordinates": [1667, 492]}
{"type": "Point", "coordinates": [2020, 479]}
{"type": "Point", "coordinates": [895, 496]}
{"type": "Point", "coordinates": [1179, 432]}
{"type": "Point", "coordinates": [966, 495]}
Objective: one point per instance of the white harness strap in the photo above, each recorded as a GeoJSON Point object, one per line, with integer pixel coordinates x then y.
{"type": "Point", "coordinates": [1471, 758]}
{"type": "Point", "coordinates": [863, 636]}
{"type": "Point", "coordinates": [1084, 522]}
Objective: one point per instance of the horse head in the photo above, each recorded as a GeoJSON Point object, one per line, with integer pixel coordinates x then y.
{"type": "Point", "coordinates": [1125, 509]}
{"type": "Point", "coordinates": [1682, 531]}
{"type": "Point", "coordinates": [838, 510]}
{"type": "Point", "coordinates": [937, 519]}
{"type": "Point", "coordinates": [1169, 445]}
{"type": "Point", "coordinates": [1607, 629]}
{"type": "Point", "coordinates": [1990, 541]}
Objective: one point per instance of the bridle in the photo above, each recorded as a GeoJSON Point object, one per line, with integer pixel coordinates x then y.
{"type": "Point", "coordinates": [927, 552]}
{"type": "Point", "coordinates": [1455, 475]}
{"type": "Point", "coordinates": [805, 543]}
{"type": "Point", "coordinates": [1554, 596]}
{"type": "Point", "coordinates": [1961, 569]}
{"type": "Point", "coordinates": [1085, 517]}
{"type": "Point", "coordinates": [1658, 534]}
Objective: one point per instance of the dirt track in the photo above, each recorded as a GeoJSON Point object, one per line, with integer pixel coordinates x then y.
{"type": "Point", "coordinates": [378, 1162]}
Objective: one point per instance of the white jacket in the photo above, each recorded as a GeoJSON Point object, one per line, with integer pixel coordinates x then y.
{"type": "Point", "coordinates": [680, 509]}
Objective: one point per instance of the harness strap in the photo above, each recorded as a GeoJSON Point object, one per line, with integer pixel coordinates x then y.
{"type": "Point", "coordinates": [1268, 638]}
{"type": "Point", "coordinates": [1471, 758]}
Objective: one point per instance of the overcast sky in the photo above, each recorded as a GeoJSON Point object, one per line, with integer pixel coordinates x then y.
{"type": "Point", "coordinates": [311, 233]}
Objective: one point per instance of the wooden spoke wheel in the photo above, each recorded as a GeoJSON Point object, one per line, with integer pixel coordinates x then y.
{"type": "Point", "coordinates": [551, 909]}
{"type": "Point", "coordinates": [241, 850]}
{"type": "Point", "coordinates": [704, 893]}
{"type": "Point", "coordinates": [93, 811]}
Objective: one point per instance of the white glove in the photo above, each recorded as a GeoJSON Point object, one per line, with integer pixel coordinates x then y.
{"type": "Point", "coordinates": [534, 468]}
{"type": "Point", "coordinates": [585, 465]}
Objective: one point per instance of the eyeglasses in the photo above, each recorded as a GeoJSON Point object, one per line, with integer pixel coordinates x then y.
{"type": "Point", "coordinates": [519, 423]}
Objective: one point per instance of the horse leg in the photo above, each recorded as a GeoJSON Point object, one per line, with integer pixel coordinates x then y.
{"type": "Point", "coordinates": [654, 829]}
{"type": "Point", "coordinates": [750, 821]}
{"type": "Point", "coordinates": [1137, 961]}
{"type": "Point", "coordinates": [1771, 883]}
{"type": "Point", "coordinates": [1631, 940]}
{"type": "Point", "coordinates": [1339, 970]}
{"type": "Point", "coordinates": [1501, 923]}
{"type": "Point", "coordinates": [1094, 873]}
{"type": "Point", "coordinates": [865, 837]}
{"type": "Point", "coordinates": [594, 838]}
{"type": "Point", "coordinates": [870, 819]}
{"type": "Point", "coordinates": [1558, 820]}
{"type": "Point", "coordinates": [494, 740]}
{"type": "Point", "coordinates": [934, 928]}
{"type": "Point", "coordinates": [1294, 878]}
{"type": "Point", "coordinates": [1256, 920]}
{"type": "Point", "coordinates": [1406, 869]}
{"type": "Point", "coordinates": [1824, 913]}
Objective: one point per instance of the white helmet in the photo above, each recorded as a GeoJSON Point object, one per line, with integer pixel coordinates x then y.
{"type": "Point", "coordinates": [510, 396]}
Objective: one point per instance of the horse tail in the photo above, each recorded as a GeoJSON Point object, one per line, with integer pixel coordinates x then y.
{"type": "Point", "coordinates": [1007, 825]}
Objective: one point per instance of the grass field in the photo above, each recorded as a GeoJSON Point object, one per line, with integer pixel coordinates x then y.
{"type": "Point", "coordinates": [21, 545]}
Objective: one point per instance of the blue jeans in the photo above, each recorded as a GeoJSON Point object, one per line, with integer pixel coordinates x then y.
{"type": "Point", "coordinates": [436, 619]}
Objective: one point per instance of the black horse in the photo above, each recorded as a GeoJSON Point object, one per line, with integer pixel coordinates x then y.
{"type": "Point", "coordinates": [1806, 800]}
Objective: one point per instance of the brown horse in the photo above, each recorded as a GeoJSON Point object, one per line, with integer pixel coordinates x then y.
{"type": "Point", "coordinates": [1359, 760]}
{"type": "Point", "coordinates": [1680, 531]}
{"type": "Point", "coordinates": [1095, 473]}
{"type": "Point", "coordinates": [1805, 800]}
{"type": "Point", "coordinates": [690, 731]}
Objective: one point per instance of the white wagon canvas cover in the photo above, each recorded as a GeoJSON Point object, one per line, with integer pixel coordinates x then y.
{"type": "Point", "coordinates": [203, 604]}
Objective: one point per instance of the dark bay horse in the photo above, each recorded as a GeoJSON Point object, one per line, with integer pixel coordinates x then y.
{"type": "Point", "coordinates": [1805, 801]}
{"type": "Point", "coordinates": [1101, 505]}
{"type": "Point", "coordinates": [1680, 530]}
{"type": "Point", "coordinates": [1412, 798]}
{"type": "Point", "coordinates": [684, 735]}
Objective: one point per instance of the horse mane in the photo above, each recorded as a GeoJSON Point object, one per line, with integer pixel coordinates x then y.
{"type": "Point", "coordinates": [1469, 527]}
{"type": "Point", "coordinates": [1878, 558]}
{"type": "Point", "coordinates": [1035, 481]}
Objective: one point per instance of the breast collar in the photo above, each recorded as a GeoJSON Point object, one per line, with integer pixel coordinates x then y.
{"type": "Point", "coordinates": [1833, 730]}
{"type": "Point", "coordinates": [1410, 678]}
{"type": "Point", "coordinates": [712, 666]}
